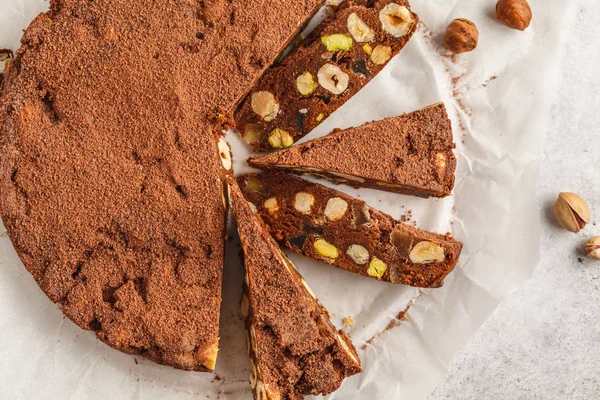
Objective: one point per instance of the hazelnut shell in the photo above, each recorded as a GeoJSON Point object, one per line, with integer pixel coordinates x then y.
{"type": "Point", "coordinates": [515, 14]}
{"type": "Point", "coordinates": [461, 36]}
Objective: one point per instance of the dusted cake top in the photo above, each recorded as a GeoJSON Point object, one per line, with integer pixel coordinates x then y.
{"type": "Point", "coordinates": [111, 186]}
{"type": "Point", "coordinates": [411, 153]}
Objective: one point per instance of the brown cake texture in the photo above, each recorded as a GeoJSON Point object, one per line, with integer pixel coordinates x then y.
{"type": "Point", "coordinates": [343, 231]}
{"type": "Point", "coordinates": [410, 154]}
{"type": "Point", "coordinates": [294, 348]}
{"type": "Point", "coordinates": [111, 184]}
{"type": "Point", "coordinates": [330, 66]}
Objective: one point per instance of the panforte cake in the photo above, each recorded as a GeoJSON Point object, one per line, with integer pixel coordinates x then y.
{"type": "Point", "coordinates": [343, 231]}
{"type": "Point", "coordinates": [330, 66]}
{"type": "Point", "coordinates": [111, 184]}
{"type": "Point", "coordinates": [410, 154]}
{"type": "Point", "coordinates": [294, 348]}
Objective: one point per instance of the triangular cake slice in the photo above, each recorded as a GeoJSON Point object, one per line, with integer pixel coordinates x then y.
{"type": "Point", "coordinates": [329, 67]}
{"type": "Point", "coordinates": [343, 231]}
{"type": "Point", "coordinates": [294, 348]}
{"type": "Point", "coordinates": [410, 154]}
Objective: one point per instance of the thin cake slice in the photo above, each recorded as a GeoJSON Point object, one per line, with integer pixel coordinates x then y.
{"type": "Point", "coordinates": [343, 231]}
{"type": "Point", "coordinates": [332, 64]}
{"type": "Point", "coordinates": [294, 348]}
{"type": "Point", "coordinates": [409, 154]}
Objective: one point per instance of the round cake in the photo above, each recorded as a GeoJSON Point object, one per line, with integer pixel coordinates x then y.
{"type": "Point", "coordinates": [111, 167]}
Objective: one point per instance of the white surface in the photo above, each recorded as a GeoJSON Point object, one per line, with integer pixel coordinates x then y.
{"type": "Point", "coordinates": [495, 216]}
{"type": "Point", "coordinates": [543, 342]}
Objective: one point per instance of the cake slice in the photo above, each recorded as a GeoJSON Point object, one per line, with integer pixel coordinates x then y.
{"type": "Point", "coordinates": [343, 231]}
{"type": "Point", "coordinates": [294, 349]}
{"type": "Point", "coordinates": [329, 67]}
{"type": "Point", "coordinates": [409, 154]}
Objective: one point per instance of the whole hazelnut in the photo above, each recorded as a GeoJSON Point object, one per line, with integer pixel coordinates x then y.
{"type": "Point", "coordinates": [461, 36]}
{"type": "Point", "coordinates": [515, 14]}
{"type": "Point", "coordinates": [592, 248]}
{"type": "Point", "coordinates": [571, 211]}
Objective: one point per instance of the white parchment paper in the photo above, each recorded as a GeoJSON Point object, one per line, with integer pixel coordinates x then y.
{"type": "Point", "coordinates": [498, 98]}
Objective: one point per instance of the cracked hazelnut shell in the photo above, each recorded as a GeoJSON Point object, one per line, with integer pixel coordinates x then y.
{"type": "Point", "coordinates": [461, 36]}
{"type": "Point", "coordinates": [515, 14]}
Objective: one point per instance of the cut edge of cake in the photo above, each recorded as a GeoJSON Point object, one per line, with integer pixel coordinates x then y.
{"type": "Point", "coordinates": [320, 363]}
{"type": "Point", "coordinates": [337, 229]}
{"type": "Point", "coordinates": [325, 70]}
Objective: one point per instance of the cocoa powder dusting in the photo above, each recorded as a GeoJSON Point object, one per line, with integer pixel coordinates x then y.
{"type": "Point", "coordinates": [111, 185]}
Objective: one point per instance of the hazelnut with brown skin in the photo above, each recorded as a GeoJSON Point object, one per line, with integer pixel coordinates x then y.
{"type": "Point", "coordinates": [515, 14]}
{"type": "Point", "coordinates": [461, 36]}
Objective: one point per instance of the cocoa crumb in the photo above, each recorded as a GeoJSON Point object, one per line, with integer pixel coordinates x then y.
{"type": "Point", "coordinates": [397, 321]}
{"type": "Point", "coordinates": [491, 79]}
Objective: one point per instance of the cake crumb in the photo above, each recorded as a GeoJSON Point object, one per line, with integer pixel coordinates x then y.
{"type": "Point", "coordinates": [487, 83]}
{"type": "Point", "coordinates": [396, 322]}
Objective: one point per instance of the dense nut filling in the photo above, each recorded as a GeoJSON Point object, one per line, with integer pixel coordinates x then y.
{"type": "Point", "coordinates": [265, 106]}
{"type": "Point", "coordinates": [360, 31]}
{"type": "Point", "coordinates": [360, 215]}
{"type": "Point", "coordinates": [381, 54]}
{"type": "Point", "coordinates": [209, 356]}
{"type": "Point", "coordinates": [396, 20]}
{"type": "Point", "coordinates": [308, 289]}
{"type": "Point", "coordinates": [306, 84]}
{"type": "Point", "coordinates": [244, 305]}
{"type": "Point", "coordinates": [225, 154]}
{"type": "Point", "coordinates": [253, 374]}
{"type": "Point", "coordinates": [253, 339]}
{"type": "Point", "coordinates": [248, 348]}
{"type": "Point", "coordinates": [344, 345]}
{"type": "Point", "coordinates": [377, 268]}
{"type": "Point", "coordinates": [280, 138]}
{"type": "Point", "coordinates": [253, 207]}
{"type": "Point", "coordinates": [272, 206]}
{"type": "Point", "coordinates": [358, 254]}
{"type": "Point", "coordinates": [440, 161]}
{"type": "Point", "coordinates": [332, 78]}
{"type": "Point", "coordinates": [402, 243]}
{"type": "Point", "coordinates": [253, 133]}
{"type": "Point", "coordinates": [348, 177]}
{"type": "Point", "coordinates": [335, 209]}
{"type": "Point", "coordinates": [5, 58]}
{"type": "Point", "coordinates": [326, 225]}
{"type": "Point", "coordinates": [347, 53]}
{"type": "Point", "coordinates": [326, 249]}
{"type": "Point", "coordinates": [337, 42]}
{"type": "Point", "coordinates": [304, 202]}
{"type": "Point", "coordinates": [427, 252]}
